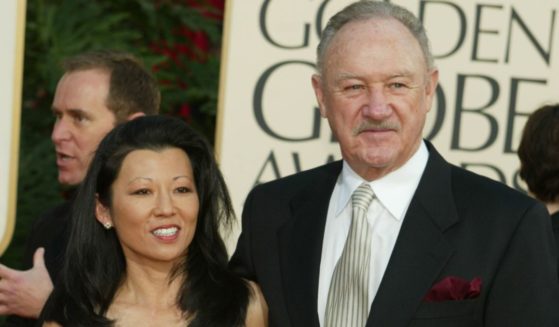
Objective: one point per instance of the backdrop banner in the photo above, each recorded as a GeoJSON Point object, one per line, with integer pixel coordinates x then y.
{"type": "Point", "coordinates": [12, 28]}
{"type": "Point", "coordinates": [497, 63]}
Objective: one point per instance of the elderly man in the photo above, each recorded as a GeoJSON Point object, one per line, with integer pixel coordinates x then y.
{"type": "Point", "coordinates": [392, 235]}
{"type": "Point", "coordinates": [97, 91]}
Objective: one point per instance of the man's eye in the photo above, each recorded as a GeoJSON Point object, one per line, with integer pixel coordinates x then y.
{"type": "Point", "coordinates": [80, 118]}
{"type": "Point", "coordinates": [397, 85]}
{"type": "Point", "coordinates": [354, 87]}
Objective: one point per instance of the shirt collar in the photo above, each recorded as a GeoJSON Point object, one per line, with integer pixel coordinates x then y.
{"type": "Point", "coordinates": [394, 190]}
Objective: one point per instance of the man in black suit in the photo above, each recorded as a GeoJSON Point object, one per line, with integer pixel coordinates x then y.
{"type": "Point", "coordinates": [539, 159]}
{"type": "Point", "coordinates": [446, 247]}
{"type": "Point", "coordinates": [97, 91]}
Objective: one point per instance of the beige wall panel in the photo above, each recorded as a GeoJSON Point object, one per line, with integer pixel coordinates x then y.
{"type": "Point", "coordinates": [12, 24]}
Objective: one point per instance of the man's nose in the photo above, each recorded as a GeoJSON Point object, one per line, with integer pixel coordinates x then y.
{"type": "Point", "coordinates": [60, 131]}
{"type": "Point", "coordinates": [377, 104]}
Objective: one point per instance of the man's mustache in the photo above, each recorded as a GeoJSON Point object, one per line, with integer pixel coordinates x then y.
{"type": "Point", "coordinates": [375, 125]}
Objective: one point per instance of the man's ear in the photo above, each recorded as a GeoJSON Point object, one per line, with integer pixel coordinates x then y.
{"type": "Point", "coordinates": [102, 213]}
{"type": "Point", "coordinates": [319, 93]}
{"type": "Point", "coordinates": [135, 115]}
{"type": "Point", "coordinates": [431, 87]}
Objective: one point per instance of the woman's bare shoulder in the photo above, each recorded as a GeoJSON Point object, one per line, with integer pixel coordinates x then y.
{"type": "Point", "coordinates": [257, 311]}
{"type": "Point", "coordinates": [51, 324]}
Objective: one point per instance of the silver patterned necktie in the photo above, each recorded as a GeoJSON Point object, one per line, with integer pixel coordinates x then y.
{"type": "Point", "coordinates": [348, 302]}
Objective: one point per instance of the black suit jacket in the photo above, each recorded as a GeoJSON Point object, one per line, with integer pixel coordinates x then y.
{"type": "Point", "coordinates": [555, 224]}
{"type": "Point", "coordinates": [458, 224]}
{"type": "Point", "coordinates": [51, 231]}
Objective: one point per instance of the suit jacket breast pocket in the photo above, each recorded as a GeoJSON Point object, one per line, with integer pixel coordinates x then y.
{"type": "Point", "coordinates": [447, 314]}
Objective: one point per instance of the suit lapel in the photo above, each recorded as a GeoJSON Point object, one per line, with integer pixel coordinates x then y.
{"type": "Point", "coordinates": [421, 250]}
{"type": "Point", "coordinates": [300, 244]}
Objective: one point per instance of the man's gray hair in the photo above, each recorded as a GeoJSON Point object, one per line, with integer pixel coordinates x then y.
{"type": "Point", "coordinates": [366, 9]}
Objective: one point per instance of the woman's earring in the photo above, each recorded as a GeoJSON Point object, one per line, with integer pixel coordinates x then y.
{"type": "Point", "coordinates": [107, 225]}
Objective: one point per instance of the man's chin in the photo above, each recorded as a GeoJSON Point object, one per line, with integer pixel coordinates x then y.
{"type": "Point", "coordinates": [379, 158]}
{"type": "Point", "coordinates": [67, 181]}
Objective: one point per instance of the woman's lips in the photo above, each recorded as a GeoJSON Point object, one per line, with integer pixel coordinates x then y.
{"type": "Point", "coordinates": [166, 233]}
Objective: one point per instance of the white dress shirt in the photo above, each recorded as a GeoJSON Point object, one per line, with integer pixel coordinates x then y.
{"type": "Point", "coordinates": [393, 194]}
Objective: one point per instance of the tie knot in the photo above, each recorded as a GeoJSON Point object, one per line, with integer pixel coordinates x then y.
{"type": "Point", "coordinates": [362, 196]}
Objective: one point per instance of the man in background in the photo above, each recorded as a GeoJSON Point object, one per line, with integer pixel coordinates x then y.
{"type": "Point", "coordinates": [97, 91]}
{"type": "Point", "coordinates": [539, 160]}
{"type": "Point", "coordinates": [392, 235]}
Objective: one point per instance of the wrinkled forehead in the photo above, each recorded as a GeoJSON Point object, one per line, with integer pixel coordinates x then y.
{"type": "Point", "coordinates": [385, 31]}
{"type": "Point", "coordinates": [376, 41]}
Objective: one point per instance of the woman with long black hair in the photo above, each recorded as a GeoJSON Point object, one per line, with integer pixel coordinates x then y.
{"type": "Point", "coordinates": [145, 247]}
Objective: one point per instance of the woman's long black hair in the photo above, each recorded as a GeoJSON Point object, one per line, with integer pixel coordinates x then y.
{"type": "Point", "coordinates": [94, 264]}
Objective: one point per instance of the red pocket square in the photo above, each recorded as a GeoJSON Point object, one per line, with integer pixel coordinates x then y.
{"type": "Point", "coordinates": [454, 288]}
